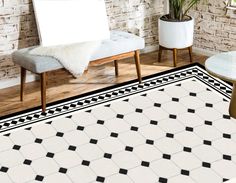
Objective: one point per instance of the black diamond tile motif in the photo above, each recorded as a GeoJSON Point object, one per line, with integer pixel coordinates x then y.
{"type": "Point", "coordinates": [152, 122]}
{"type": "Point", "coordinates": [62, 170]}
{"type": "Point", "coordinates": [107, 155]}
{"type": "Point", "coordinates": [120, 116]}
{"type": "Point", "coordinates": [166, 156]}
{"type": "Point", "coordinates": [157, 105]}
{"type": "Point", "coordinates": [81, 128]}
{"type": "Point", "coordinates": [207, 142]}
{"type": "Point", "coordinates": [150, 142]}
{"type": "Point", "coordinates": [208, 123]}
{"type": "Point", "coordinates": [162, 180]}
{"type": "Point", "coordinates": [206, 164]}
{"type": "Point", "coordinates": [170, 135]}
{"type": "Point", "coordinates": [227, 136]}
{"type": "Point", "coordinates": [209, 105]}
{"type": "Point", "coordinates": [100, 122]}
{"type": "Point", "coordinates": [172, 116]}
{"type": "Point", "coordinates": [226, 116]}
{"type": "Point", "coordinates": [39, 141]}
{"type": "Point", "coordinates": [4, 169]}
{"type": "Point", "coordinates": [114, 134]}
{"type": "Point", "coordinates": [128, 148]}
{"type": "Point", "coordinates": [226, 157]}
{"type": "Point", "coordinates": [145, 163]}
{"type": "Point", "coordinates": [7, 135]}
{"type": "Point", "coordinates": [191, 110]}
{"type": "Point", "coordinates": [225, 179]}
{"type": "Point", "coordinates": [139, 110]}
{"type": "Point", "coordinates": [175, 99]}
{"type": "Point", "coordinates": [72, 148]}
{"type": "Point", "coordinates": [100, 179]}
{"type": "Point", "coordinates": [134, 128]}
{"type": "Point", "coordinates": [190, 129]}
{"type": "Point", "coordinates": [187, 149]}
{"type": "Point", "coordinates": [50, 155]}
{"type": "Point", "coordinates": [59, 134]}
{"type": "Point", "coordinates": [185, 172]}
{"type": "Point", "coordinates": [192, 94]}
{"type": "Point", "coordinates": [27, 162]}
{"type": "Point", "coordinates": [123, 171]}
{"type": "Point", "coordinates": [93, 141]}
{"type": "Point", "coordinates": [16, 147]}
{"type": "Point", "coordinates": [85, 163]}
{"type": "Point", "coordinates": [39, 177]}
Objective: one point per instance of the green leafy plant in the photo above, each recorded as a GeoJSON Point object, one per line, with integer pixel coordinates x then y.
{"type": "Point", "coordinates": [178, 9]}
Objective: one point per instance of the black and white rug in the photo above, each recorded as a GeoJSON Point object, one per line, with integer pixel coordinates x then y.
{"type": "Point", "coordinates": [172, 128]}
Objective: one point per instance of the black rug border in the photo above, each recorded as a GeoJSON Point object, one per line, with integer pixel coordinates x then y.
{"type": "Point", "coordinates": [103, 89]}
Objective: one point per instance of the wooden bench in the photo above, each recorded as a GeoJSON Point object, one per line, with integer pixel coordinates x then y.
{"type": "Point", "coordinates": [121, 45]}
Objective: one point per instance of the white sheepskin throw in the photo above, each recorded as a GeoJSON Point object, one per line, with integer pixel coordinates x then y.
{"type": "Point", "coordinates": [74, 57]}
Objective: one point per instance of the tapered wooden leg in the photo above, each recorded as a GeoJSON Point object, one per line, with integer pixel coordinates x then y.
{"type": "Point", "coordinates": [116, 67]}
{"type": "Point", "coordinates": [22, 83]}
{"type": "Point", "coordinates": [190, 50]}
{"type": "Point", "coordinates": [232, 107]}
{"type": "Point", "coordinates": [43, 90]}
{"type": "Point", "coordinates": [175, 56]}
{"type": "Point", "coordinates": [137, 63]}
{"type": "Point", "coordinates": [159, 53]}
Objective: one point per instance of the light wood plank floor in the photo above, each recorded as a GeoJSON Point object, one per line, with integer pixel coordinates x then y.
{"type": "Point", "coordinates": [61, 85]}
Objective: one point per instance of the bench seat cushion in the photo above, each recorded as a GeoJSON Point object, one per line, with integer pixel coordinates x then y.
{"type": "Point", "coordinates": [120, 42]}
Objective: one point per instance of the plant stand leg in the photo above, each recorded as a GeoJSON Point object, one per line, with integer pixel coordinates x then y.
{"type": "Point", "coordinates": [159, 53]}
{"type": "Point", "coordinates": [137, 63]}
{"type": "Point", "coordinates": [190, 50]}
{"type": "Point", "coordinates": [116, 68]}
{"type": "Point", "coordinates": [175, 56]}
{"type": "Point", "coordinates": [232, 107]}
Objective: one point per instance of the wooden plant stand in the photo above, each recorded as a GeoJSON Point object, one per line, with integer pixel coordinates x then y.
{"type": "Point", "coordinates": [161, 48]}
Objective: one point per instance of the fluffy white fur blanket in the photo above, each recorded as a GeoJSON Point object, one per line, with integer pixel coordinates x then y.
{"type": "Point", "coordinates": [74, 57]}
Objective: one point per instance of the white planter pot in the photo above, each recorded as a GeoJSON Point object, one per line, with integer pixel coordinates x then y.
{"type": "Point", "coordinates": [176, 34]}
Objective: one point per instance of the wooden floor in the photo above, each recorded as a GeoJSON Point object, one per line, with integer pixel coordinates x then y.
{"type": "Point", "coordinates": [61, 85]}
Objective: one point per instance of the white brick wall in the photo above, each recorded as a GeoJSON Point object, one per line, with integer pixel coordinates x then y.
{"type": "Point", "coordinates": [18, 28]}
{"type": "Point", "coordinates": [213, 31]}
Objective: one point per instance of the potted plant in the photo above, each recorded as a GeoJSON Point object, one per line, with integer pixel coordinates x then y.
{"type": "Point", "coordinates": [176, 28]}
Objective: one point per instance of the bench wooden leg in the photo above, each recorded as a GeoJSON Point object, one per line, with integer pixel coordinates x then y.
{"type": "Point", "coordinates": [137, 63]}
{"type": "Point", "coordinates": [116, 67]}
{"type": "Point", "coordinates": [43, 90]}
{"type": "Point", "coordinates": [22, 83]}
{"type": "Point", "coordinates": [190, 50]}
{"type": "Point", "coordinates": [159, 53]}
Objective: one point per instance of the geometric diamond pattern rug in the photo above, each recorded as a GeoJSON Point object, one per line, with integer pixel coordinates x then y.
{"type": "Point", "coordinates": [172, 128]}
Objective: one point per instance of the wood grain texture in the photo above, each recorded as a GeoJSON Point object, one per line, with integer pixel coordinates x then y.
{"type": "Point", "coordinates": [138, 67]}
{"type": "Point", "coordinates": [62, 85]}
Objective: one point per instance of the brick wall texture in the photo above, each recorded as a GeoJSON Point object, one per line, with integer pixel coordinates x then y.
{"type": "Point", "coordinates": [213, 31]}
